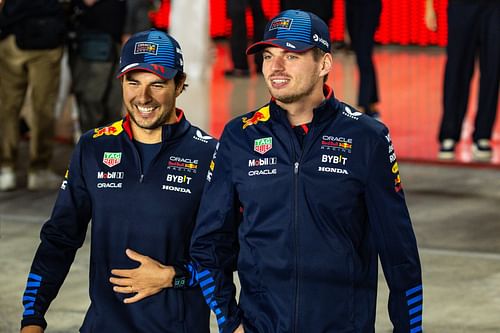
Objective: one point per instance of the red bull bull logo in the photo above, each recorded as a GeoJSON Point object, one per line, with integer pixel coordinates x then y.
{"type": "Point", "coordinates": [260, 115]}
{"type": "Point", "coordinates": [114, 129]}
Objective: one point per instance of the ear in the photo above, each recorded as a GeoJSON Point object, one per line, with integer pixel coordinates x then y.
{"type": "Point", "coordinates": [179, 87]}
{"type": "Point", "coordinates": [326, 64]}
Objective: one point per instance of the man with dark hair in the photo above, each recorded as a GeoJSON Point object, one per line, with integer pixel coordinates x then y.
{"type": "Point", "coordinates": [139, 180]}
{"type": "Point", "coordinates": [304, 195]}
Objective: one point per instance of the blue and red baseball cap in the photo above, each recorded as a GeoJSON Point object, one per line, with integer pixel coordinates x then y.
{"type": "Point", "coordinates": [154, 51]}
{"type": "Point", "coordinates": [296, 31]}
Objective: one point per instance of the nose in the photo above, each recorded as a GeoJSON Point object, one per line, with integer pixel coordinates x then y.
{"type": "Point", "coordinates": [277, 64]}
{"type": "Point", "coordinates": [143, 95]}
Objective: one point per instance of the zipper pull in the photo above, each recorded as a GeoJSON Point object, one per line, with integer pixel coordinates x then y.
{"type": "Point", "coordinates": [296, 169]}
{"type": "Point", "coordinates": [140, 179]}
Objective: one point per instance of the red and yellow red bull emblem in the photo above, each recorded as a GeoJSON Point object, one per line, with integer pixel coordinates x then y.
{"type": "Point", "coordinates": [259, 115]}
{"type": "Point", "coordinates": [281, 23]}
{"type": "Point", "coordinates": [397, 183]}
{"type": "Point", "coordinates": [345, 145]}
{"type": "Point", "coordinates": [114, 129]}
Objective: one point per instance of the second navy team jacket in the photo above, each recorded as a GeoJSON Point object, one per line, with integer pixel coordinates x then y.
{"type": "Point", "coordinates": [304, 226]}
{"type": "Point", "coordinates": [150, 212]}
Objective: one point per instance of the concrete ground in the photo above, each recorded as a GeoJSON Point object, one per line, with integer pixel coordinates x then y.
{"type": "Point", "coordinates": [456, 217]}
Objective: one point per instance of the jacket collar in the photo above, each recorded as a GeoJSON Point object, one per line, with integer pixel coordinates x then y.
{"type": "Point", "coordinates": [169, 131]}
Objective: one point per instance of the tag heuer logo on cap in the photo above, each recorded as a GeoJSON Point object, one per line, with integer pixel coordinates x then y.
{"type": "Point", "coordinates": [112, 159]}
{"type": "Point", "coordinates": [263, 145]}
{"type": "Point", "coordinates": [146, 47]}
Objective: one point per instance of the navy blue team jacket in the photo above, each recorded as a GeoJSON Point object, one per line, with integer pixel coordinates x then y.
{"type": "Point", "coordinates": [314, 220]}
{"type": "Point", "coordinates": [152, 213]}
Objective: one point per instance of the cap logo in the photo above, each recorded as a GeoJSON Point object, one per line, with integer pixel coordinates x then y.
{"type": "Point", "coordinates": [281, 23]}
{"type": "Point", "coordinates": [146, 47]}
{"type": "Point", "coordinates": [290, 45]}
{"type": "Point", "coordinates": [316, 38]}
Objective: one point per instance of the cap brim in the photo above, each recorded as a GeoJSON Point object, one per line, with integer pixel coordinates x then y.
{"type": "Point", "coordinates": [163, 72]}
{"type": "Point", "coordinates": [289, 45]}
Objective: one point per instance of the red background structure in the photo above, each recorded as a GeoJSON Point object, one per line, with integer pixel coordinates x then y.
{"type": "Point", "coordinates": [401, 22]}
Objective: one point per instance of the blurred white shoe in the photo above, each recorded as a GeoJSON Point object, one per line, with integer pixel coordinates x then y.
{"type": "Point", "coordinates": [481, 150]}
{"type": "Point", "coordinates": [447, 150]}
{"type": "Point", "coordinates": [7, 179]}
{"type": "Point", "coordinates": [43, 180]}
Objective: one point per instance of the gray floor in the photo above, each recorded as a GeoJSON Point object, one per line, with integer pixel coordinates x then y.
{"type": "Point", "coordinates": [456, 217]}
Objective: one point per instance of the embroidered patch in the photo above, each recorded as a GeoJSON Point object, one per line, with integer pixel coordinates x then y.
{"type": "Point", "coordinates": [281, 23]}
{"type": "Point", "coordinates": [263, 145]}
{"type": "Point", "coordinates": [111, 159]}
{"type": "Point", "coordinates": [146, 47]}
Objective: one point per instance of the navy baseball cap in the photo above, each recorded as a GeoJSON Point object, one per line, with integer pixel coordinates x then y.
{"type": "Point", "coordinates": [295, 31]}
{"type": "Point", "coordinates": [154, 51]}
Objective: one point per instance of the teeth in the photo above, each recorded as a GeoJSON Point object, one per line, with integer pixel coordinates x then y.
{"type": "Point", "coordinates": [144, 109]}
{"type": "Point", "coordinates": [279, 81]}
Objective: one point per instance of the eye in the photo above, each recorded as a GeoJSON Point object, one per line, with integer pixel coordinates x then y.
{"type": "Point", "coordinates": [291, 56]}
{"type": "Point", "coordinates": [132, 83]}
{"type": "Point", "coordinates": [266, 56]}
{"type": "Point", "coordinates": [158, 85]}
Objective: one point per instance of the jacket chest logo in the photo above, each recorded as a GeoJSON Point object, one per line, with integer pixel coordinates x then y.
{"type": "Point", "coordinates": [112, 159]}
{"type": "Point", "coordinates": [263, 145]}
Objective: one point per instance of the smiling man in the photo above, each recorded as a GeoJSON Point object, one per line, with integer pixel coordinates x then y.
{"type": "Point", "coordinates": [139, 180]}
{"type": "Point", "coordinates": [304, 196]}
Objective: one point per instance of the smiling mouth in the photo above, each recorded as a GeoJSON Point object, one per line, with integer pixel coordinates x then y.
{"type": "Point", "coordinates": [143, 109]}
{"type": "Point", "coordinates": [279, 81]}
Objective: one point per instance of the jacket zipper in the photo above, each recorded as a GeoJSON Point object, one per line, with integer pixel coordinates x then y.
{"type": "Point", "coordinates": [295, 223]}
{"type": "Point", "coordinates": [138, 161]}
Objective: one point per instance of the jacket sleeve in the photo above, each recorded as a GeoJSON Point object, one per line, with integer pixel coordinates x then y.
{"type": "Point", "coordinates": [60, 236]}
{"type": "Point", "coordinates": [214, 245]}
{"type": "Point", "coordinates": [394, 237]}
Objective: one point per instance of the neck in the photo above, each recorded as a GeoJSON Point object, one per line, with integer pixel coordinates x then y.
{"type": "Point", "coordinates": [146, 135]}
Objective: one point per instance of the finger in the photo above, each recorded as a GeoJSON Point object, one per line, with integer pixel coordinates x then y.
{"type": "Point", "coordinates": [120, 282]}
{"type": "Point", "coordinates": [123, 290]}
{"type": "Point", "coordinates": [122, 272]}
{"type": "Point", "coordinates": [135, 255]}
{"type": "Point", "coordinates": [137, 297]}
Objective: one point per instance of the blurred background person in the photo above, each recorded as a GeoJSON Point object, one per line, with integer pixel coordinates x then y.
{"type": "Point", "coordinates": [31, 38]}
{"type": "Point", "coordinates": [238, 40]}
{"type": "Point", "coordinates": [362, 18]}
{"type": "Point", "coordinates": [322, 8]}
{"type": "Point", "coordinates": [473, 29]}
{"type": "Point", "coordinates": [94, 57]}
{"type": "Point", "coordinates": [137, 18]}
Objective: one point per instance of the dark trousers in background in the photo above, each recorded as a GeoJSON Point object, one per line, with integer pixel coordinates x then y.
{"type": "Point", "coordinates": [473, 29]}
{"type": "Point", "coordinates": [362, 20]}
{"type": "Point", "coordinates": [322, 8]}
{"type": "Point", "coordinates": [97, 91]}
{"type": "Point", "coordinates": [238, 40]}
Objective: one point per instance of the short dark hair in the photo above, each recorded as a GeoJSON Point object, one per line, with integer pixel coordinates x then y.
{"type": "Point", "coordinates": [179, 78]}
{"type": "Point", "coordinates": [318, 55]}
